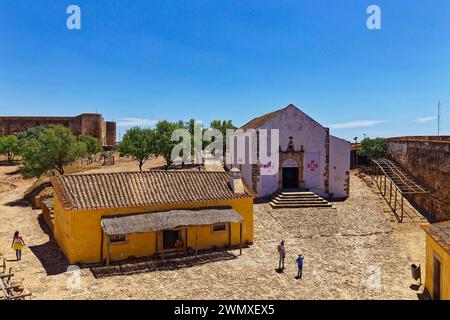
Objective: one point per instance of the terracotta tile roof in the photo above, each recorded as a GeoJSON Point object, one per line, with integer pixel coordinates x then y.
{"type": "Point", "coordinates": [138, 189]}
{"type": "Point", "coordinates": [440, 232]}
{"type": "Point", "coordinates": [259, 121]}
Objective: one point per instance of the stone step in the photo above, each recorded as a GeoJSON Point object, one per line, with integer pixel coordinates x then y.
{"type": "Point", "coordinates": [299, 200]}
{"type": "Point", "coordinates": [284, 194]}
{"type": "Point", "coordinates": [299, 193]}
{"type": "Point", "coordinates": [315, 205]}
{"type": "Point", "coordinates": [300, 204]}
{"type": "Point", "coordinates": [297, 197]}
{"type": "Point", "coordinates": [306, 196]}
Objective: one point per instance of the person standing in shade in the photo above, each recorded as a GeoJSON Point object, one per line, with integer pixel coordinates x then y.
{"type": "Point", "coordinates": [282, 255]}
{"type": "Point", "coordinates": [179, 244]}
{"type": "Point", "coordinates": [17, 244]}
{"type": "Point", "coordinates": [300, 266]}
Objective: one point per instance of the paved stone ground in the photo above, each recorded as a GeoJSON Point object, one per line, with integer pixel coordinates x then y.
{"type": "Point", "coordinates": [343, 247]}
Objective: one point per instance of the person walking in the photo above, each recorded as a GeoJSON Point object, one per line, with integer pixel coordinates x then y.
{"type": "Point", "coordinates": [282, 255]}
{"type": "Point", "coordinates": [17, 244]}
{"type": "Point", "coordinates": [300, 266]}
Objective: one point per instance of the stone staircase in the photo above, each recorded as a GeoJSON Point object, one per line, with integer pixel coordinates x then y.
{"type": "Point", "coordinates": [298, 199]}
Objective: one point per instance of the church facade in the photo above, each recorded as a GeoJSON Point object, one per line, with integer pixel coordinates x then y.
{"type": "Point", "coordinates": [307, 156]}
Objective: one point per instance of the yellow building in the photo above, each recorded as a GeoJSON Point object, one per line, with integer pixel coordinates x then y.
{"type": "Point", "coordinates": [437, 278]}
{"type": "Point", "coordinates": [116, 216]}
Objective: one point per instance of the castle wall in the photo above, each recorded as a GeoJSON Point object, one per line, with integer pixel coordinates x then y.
{"type": "Point", "coordinates": [87, 123]}
{"type": "Point", "coordinates": [14, 125]}
{"type": "Point", "coordinates": [428, 160]}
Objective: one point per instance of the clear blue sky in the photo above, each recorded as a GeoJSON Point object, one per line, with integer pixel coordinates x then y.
{"type": "Point", "coordinates": [228, 59]}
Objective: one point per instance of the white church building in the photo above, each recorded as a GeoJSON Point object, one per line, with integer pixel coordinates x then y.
{"type": "Point", "coordinates": [308, 157]}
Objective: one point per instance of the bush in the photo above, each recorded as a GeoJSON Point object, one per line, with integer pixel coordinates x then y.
{"type": "Point", "coordinates": [9, 147]}
{"type": "Point", "coordinates": [373, 148]}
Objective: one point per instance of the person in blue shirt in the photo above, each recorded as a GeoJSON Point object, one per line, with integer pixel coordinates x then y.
{"type": "Point", "coordinates": [300, 266]}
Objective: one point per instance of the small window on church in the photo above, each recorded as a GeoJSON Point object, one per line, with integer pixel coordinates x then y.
{"type": "Point", "coordinates": [219, 228]}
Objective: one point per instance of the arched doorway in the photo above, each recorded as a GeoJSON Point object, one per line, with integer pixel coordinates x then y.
{"type": "Point", "coordinates": [290, 174]}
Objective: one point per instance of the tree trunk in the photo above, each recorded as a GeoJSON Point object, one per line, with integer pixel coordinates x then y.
{"type": "Point", "coordinates": [60, 169]}
{"type": "Point", "coordinates": [168, 162]}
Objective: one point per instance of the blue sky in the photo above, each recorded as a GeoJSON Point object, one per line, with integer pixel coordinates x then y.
{"type": "Point", "coordinates": [208, 59]}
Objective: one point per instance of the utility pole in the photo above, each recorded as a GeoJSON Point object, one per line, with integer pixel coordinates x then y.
{"type": "Point", "coordinates": [439, 118]}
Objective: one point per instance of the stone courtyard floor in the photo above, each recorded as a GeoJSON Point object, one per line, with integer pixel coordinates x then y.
{"type": "Point", "coordinates": [355, 251]}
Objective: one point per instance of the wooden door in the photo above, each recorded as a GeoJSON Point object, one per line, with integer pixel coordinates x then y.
{"type": "Point", "coordinates": [437, 278]}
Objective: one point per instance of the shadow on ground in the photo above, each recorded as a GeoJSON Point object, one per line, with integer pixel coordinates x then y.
{"type": "Point", "coordinates": [142, 265]}
{"type": "Point", "coordinates": [425, 295]}
{"type": "Point", "coordinates": [18, 203]}
{"type": "Point", "coordinates": [53, 260]}
{"type": "Point", "coordinates": [8, 163]}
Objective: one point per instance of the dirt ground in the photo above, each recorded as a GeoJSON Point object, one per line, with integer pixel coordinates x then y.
{"type": "Point", "coordinates": [355, 251]}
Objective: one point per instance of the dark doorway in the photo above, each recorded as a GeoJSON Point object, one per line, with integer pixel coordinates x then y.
{"type": "Point", "coordinates": [169, 239]}
{"type": "Point", "coordinates": [436, 279]}
{"type": "Point", "coordinates": [290, 178]}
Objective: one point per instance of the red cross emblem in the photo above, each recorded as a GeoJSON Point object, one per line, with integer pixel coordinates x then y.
{"type": "Point", "coordinates": [312, 165]}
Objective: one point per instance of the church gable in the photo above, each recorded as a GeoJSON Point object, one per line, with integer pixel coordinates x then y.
{"type": "Point", "coordinates": [290, 118]}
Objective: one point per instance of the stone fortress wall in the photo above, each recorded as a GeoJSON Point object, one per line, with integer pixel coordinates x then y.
{"type": "Point", "coordinates": [427, 158]}
{"type": "Point", "coordinates": [91, 124]}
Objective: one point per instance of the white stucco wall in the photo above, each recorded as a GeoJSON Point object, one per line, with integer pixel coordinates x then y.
{"type": "Point", "coordinates": [306, 132]}
{"type": "Point", "coordinates": [339, 166]}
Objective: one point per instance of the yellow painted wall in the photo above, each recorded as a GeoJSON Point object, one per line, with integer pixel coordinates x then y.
{"type": "Point", "coordinates": [61, 227]}
{"type": "Point", "coordinates": [83, 241]}
{"type": "Point", "coordinates": [433, 248]}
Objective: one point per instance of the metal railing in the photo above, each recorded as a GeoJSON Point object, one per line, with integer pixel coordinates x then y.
{"type": "Point", "coordinates": [386, 170]}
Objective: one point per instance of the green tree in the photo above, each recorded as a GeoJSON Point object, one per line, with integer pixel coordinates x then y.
{"type": "Point", "coordinates": [93, 146]}
{"type": "Point", "coordinates": [373, 148]}
{"type": "Point", "coordinates": [223, 126]}
{"type": "Point", "coordinates": [50, 149]}
{"type": "Point", "coordinates": [164, 144]}
{"type": "Point", "coordinates": [139, 144]}
{"type": "Point", "coordinates": [9, 147]}
{"type": "Point", "coordinates": [193, 125]}
{"type": "Point", "coordinates": [31, 133]}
